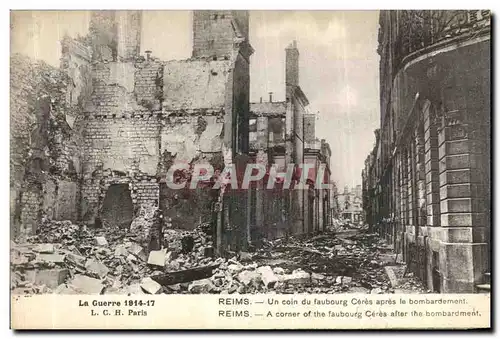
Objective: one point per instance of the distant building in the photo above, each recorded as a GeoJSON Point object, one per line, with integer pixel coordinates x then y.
{"type": "Point", "coordinates": [350, 204]}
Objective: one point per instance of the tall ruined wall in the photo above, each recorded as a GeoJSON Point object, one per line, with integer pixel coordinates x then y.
{"type": "Point", "coordinates": [241, 103]}
{"type": "Point", "coordinates": [119, 123]}
{"type": "Point", "coordinates": [128, 139]}
{"type": "Point", "coordinates": [115, 35]}
{"type": "Point", "coordinates": [122, 124]}
{"type": "Point", "coordinates": [213, 33]}
{"type": "Point", "coordinates": [197, 97]}
{"type": "Point", "coordinates": [45, 163]}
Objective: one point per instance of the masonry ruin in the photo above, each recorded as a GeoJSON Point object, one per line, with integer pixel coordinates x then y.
{"type": "Point", "coordinates": [113, 121]}
{"type": "Point", "coordinates": [95, 140]}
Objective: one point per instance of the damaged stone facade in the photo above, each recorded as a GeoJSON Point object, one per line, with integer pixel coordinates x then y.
{"type": "Point", "coordinates": [121, 120]}
{"type": "Point", "coordinates": [44, 149]}
{"type": "Point", "coordinates": [283, 133]}
{"type": "Point", "coordinates": [427, 180]}
{"type": "Point", "coordinates": [100, 143]}
{"type": "Point", "coordinates": [145, 115]}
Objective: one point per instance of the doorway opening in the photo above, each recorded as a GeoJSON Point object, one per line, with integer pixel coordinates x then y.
{"type": "Point", "coordinates": [117, 208]}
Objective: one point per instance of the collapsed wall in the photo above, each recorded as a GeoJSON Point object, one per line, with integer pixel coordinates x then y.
{"type": "Point", "coordinates": [44, 162]}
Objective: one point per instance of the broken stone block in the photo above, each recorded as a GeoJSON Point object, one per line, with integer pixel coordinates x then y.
{"type": "Point", "coordinates": [55, 258]}
{"type": "Point", "coordinates": [30, 275]}
{"type": "Point", "coordinates": [233, 268]}
{"type": "Point", "coordinates": [157, 258]}
{"type": "Point", "coordinates": [376, 291]}
{"type": "Point", "coordinates": [86, 285]}
{"type": "Point", "coordinates": [51, 278]}
{"type": "Point", "coordinates": [245, 257]}
{"type": "Point", "coordinates": [201, 286]}
{"type": "Point", "coordinates": [346, 280]}
{"type": "Point", "coordinates": [317, 276]}
{"type": "Point", "coordinates": [247, 277]}
{"type": "Point", "coordinates": [297, 277]}
{"type": "Point", "coordinates": [251, 266]}
{"type": "Point", "coordinates": [18, 259]}
{"type": "Point", "coordinates": [338, 280]}
{"type": "Point", "coordinates": [132, 258]}
{"type": "Point", "coordinates": [170, 256]}
{"type": "Point", "coordinates": [101, 241]}
{"type": "Point", "coordinates": [267, 276]}
{"type": "Point", "coordinates": [96, 267]}
{"type": "Point", "coordinates": [137, 251]}
{"type": "Point", "coordinates": [44, 248]}
{"type": "Point", "coordinates": [65, 289]}
{"type": "Point", "coordinates": [76, 258]}
{"type": "Point", "coordinates": [115, 290]}
{"type": "Point", "coordinates": [357, 289]}
{"type": "Point", "coordinates": [121, 251]}
{"type": "Point", "coordinates": [135, 289]}
{"type": "Point", "coordinates": [279, 270]}
{"type": "Point", "coordinates": [150, 286]}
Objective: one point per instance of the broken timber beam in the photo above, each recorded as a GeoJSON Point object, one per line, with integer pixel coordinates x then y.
{"type": "Point", "coordinates": [184, 276]}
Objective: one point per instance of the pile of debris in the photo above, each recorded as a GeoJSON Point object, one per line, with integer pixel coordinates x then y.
{"type": "Point", "coordinates": [68, 258]}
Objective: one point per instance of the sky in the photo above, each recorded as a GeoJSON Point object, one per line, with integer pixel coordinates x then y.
{"type": "Point", "coordinates": [338, 65]}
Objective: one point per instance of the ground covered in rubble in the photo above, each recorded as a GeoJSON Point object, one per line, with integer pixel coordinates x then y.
{"type": "Point", "coordinates": [65, 258]}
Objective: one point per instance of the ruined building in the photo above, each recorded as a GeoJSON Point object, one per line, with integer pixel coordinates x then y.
{"type": "Point", "coordinates": [283, 133]}
{"type": "Point", "coordinates": [428, 178]}
{"type": "Point", "coordinates": [125, 119]}
{"type": "Point", "coordinates": [95, 139]}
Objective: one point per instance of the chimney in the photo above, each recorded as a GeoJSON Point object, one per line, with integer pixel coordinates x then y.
{"type": "Point", "coordinates": [148, 55]}
{"type": "Point", "coordinates": [292, 65]}
{"type": "Point", "coordinates": [261, 100]}
{"type": "Point", "coordinates": [270, 96]}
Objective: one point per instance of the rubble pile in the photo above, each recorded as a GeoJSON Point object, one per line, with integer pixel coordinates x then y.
{"type": "Point", "coordinates": [73, 259]}
{"type": "Point", "coordinates": [346, 262]}
{"type": "Point", "coordinates": [406, 281]}
{"type": "Point", "coordinates": [69, 258]}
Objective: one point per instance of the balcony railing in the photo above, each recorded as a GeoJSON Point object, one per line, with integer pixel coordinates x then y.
{"type": "Point", "coordinates": [418, 29]}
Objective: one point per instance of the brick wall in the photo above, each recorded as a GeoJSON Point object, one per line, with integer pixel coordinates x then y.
{"type": "Point", "coordinates": [129, 27]}
{"type": "Point", "coordinates": [125, 144]}
{"type": "Point", "coordinates": [149, 84]}
{"type": "Point", "coordinates": [116, 35]}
